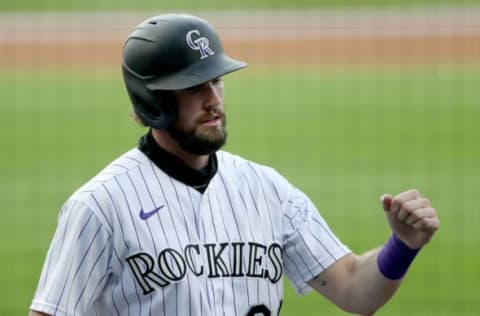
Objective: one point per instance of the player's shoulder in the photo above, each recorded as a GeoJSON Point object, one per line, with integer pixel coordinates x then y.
{"type": "Point", "coordinates": [228, 160]}
{"type": "Point", "coordinates": [122, 165]}
{"type": "Point", "coordinates": [232, 163]}
{"type": "Point", "coordinates": [97, 194]}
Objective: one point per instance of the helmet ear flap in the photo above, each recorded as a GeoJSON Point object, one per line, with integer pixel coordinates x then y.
{"type": "Point", "coordinates": [156, 108]}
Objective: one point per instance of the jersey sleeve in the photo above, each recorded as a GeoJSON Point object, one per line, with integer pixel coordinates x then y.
{"type": "Point", "coordinates": [77, 264]}
{"type": "Point", "coordinates": [309, 246]}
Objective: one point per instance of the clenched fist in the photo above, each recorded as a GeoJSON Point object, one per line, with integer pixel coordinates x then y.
{"type": "Point", "coordinates": [411, 217]}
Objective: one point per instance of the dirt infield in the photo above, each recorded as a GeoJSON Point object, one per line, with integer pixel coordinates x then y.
{"type": "Point", "coordinates": [449, 35]}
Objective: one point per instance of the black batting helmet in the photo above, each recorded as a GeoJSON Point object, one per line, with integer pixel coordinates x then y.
{"type": "Point", "coordinates": [166, 53]}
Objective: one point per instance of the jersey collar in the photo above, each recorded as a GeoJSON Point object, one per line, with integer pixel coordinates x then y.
{"type": "Point", "coordinates": [176, 168]}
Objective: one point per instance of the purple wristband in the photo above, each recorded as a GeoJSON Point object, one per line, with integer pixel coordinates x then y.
{"type": "Point", "coordinates": [395, 258]}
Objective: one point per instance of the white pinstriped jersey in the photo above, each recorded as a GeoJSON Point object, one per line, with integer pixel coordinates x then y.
{"type": "Point", "coordinates": [135, 241]}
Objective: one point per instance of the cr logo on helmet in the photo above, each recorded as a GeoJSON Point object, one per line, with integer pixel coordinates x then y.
{"type": "Point", "coordinates": [201, 44]}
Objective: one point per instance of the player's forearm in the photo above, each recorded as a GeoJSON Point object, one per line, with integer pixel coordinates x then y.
{"type": "Point", "coordinates": [355, 284]}
{"type": "Point", "coordinates": [368, 289]}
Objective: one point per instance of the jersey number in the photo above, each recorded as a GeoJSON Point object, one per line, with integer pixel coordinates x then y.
{"type": "Point", "coordinates": [262, 310]}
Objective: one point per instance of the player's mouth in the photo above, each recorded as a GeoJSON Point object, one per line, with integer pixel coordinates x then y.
{"type": "Point", "coordinates": [212, 120]}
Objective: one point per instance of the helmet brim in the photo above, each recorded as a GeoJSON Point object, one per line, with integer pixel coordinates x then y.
{"type": "Point", "coordinates": [197, 73]}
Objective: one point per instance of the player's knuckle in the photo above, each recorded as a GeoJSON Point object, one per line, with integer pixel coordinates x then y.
{"type": "Point", "coordinates": [414, 217]}
{"type": "Point", "coordinates": [429, 223]}
{"type": "Point", "coordinates": [408, 208]}
{"type": "Point", "coordinates": [421, 224]}
{"type": "Point", "coordinates": [435, 221]}
{"type": "Point", "coordinates": [415, 192]}
{"type": "Point", "coordinates": [431, 211]}
{"type": "Point", "coordinates": [426, 202]}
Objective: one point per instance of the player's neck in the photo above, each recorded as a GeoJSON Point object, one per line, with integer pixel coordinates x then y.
{"type": "Point", "coordinates": [164, 140]}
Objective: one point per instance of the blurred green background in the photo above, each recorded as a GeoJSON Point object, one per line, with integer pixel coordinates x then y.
{"type": "Point", "coordinates": [344, 134]}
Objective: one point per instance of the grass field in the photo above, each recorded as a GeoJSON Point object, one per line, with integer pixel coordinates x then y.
{"type": "Point", "coordinates": [344, 135]}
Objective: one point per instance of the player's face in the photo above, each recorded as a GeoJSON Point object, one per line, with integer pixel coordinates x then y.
{"type": "Point", "coordinates": [200, 126]}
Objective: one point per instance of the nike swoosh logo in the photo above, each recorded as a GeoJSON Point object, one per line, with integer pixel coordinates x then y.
{"type": "Point", "coordinates": [146, 215]}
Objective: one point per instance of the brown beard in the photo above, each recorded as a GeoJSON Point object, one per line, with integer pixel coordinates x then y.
{"type": "Point", "coordinates": [196, 144]}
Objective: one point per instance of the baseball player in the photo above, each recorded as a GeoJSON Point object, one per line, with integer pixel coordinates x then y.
{"type": "Point", "coordinates": [177, 226]}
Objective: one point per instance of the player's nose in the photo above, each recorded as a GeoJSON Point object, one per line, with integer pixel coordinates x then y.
{"type": "Point", "coordinates": [213, 93]}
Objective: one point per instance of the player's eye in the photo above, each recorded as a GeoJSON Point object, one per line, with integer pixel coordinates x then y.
{"type": "Point", "coordinates": [193, 89]}
{"type": "Point", "coordinates": [198, 88]}
{"type": "Point", "coordinates": [217, 81]}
